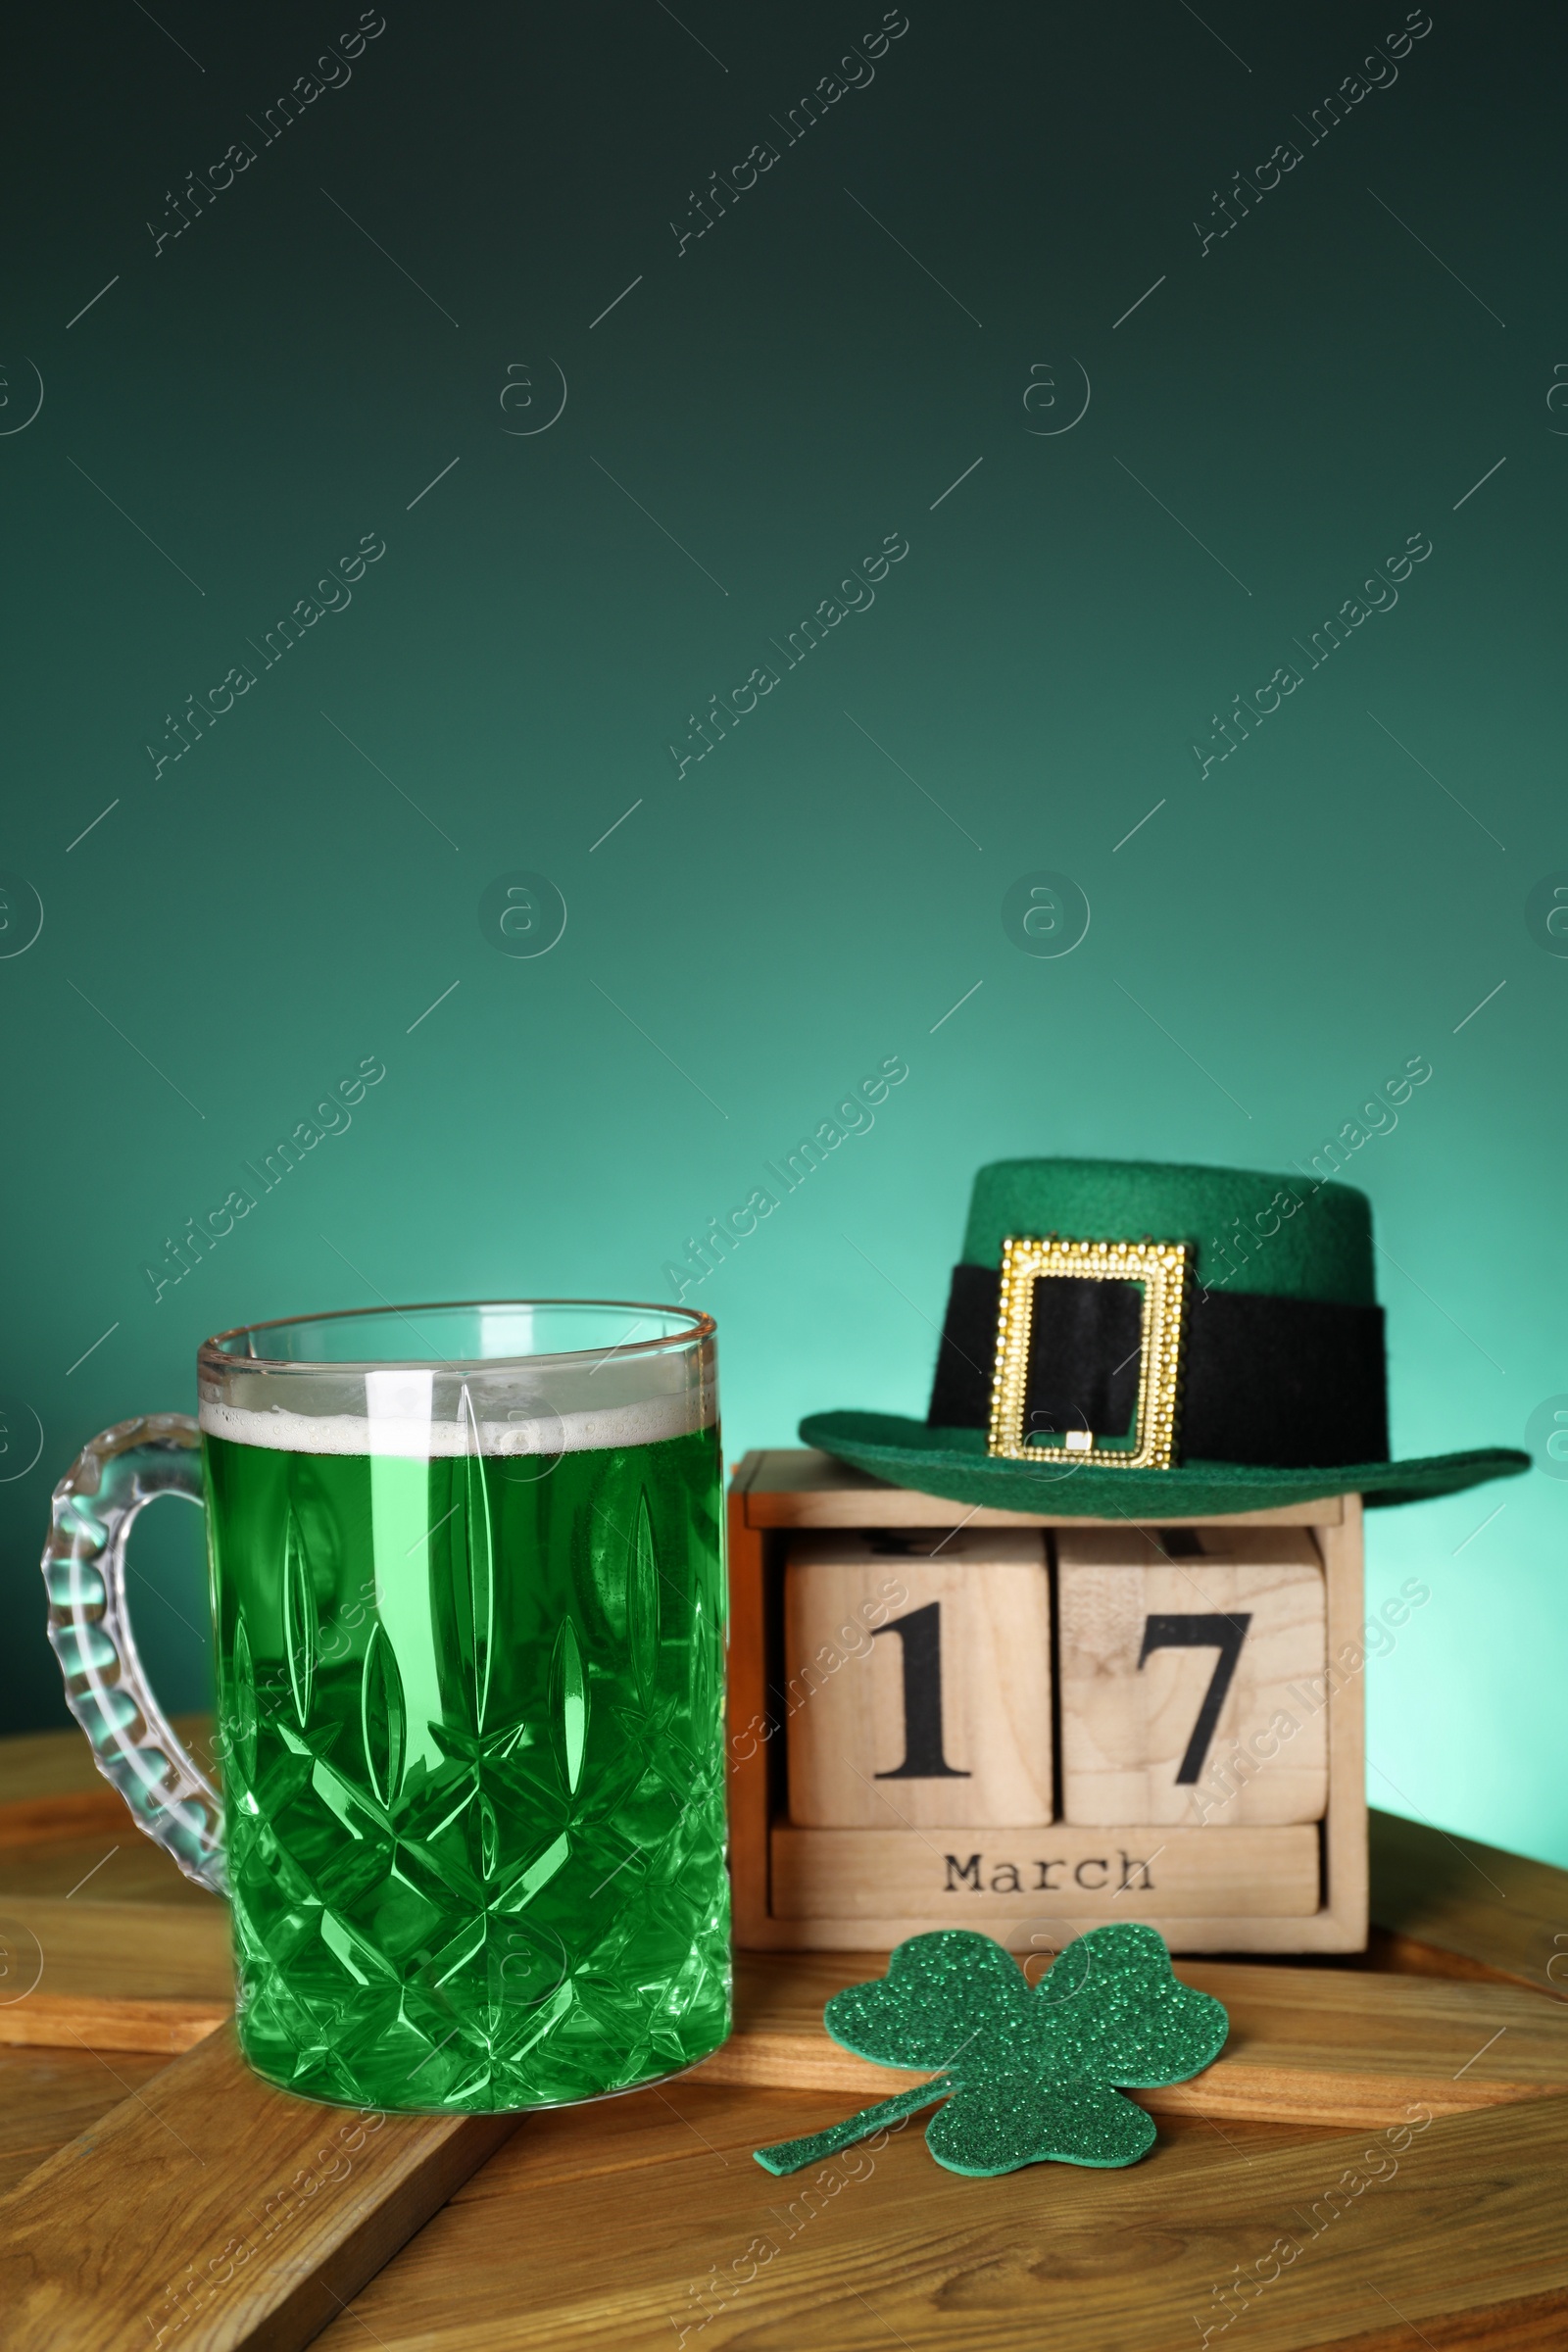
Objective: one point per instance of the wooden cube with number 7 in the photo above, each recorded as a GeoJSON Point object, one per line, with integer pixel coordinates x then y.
{"type": "Point", "coordinates": [917, 1690]}
{"type": "Point", "coordinates": [1192, 1675]}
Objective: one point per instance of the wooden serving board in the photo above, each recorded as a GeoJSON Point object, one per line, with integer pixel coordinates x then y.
{"type": "Point", "coordinates": [211, 2208]}
{"type": "Point", "coordinates": [197, 2207]}
{"type": "Point", "coordinates": [230, 2214]}
{"type": "Point", "coordinates": [1328, 2046]}
{"type": "Point", "coordinates": [622, 2224]}
{"type": "Point", "coordinates": [645, 2226]}
{"type": "Point", "coordinates": [1324, 2046]}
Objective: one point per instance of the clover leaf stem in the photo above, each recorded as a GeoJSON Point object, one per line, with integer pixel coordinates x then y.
{"type": "Point", "coordinates": [793, 2155]}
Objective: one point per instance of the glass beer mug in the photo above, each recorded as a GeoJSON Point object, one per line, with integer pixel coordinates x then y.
{"type": "Point", "coordinates": [468, 1602]}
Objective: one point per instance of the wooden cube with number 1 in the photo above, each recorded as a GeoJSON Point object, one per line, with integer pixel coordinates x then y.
{"type": "Point", "coordinates": [917, 1680]}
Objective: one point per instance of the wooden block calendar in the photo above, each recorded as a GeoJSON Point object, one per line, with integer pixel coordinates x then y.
{"type": "Point", "coordinates": [948, 1717]}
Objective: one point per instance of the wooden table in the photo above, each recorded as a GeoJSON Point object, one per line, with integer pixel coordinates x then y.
{"type": "Point", "coordinates": [642, 2220]}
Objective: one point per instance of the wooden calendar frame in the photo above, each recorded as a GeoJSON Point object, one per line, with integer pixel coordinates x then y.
{"type": "Point", "coordinates": [777, 1494]}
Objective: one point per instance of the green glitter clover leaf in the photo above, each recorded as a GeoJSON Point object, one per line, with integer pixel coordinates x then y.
{"type": "Point", "coordinates": [1029, 2075]}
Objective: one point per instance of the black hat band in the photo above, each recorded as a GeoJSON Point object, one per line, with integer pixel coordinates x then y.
{"type": "Point", "coordinates": [1292, 1383]}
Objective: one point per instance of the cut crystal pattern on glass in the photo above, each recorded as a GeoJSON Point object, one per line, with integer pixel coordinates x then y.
{"type": "Point", "coordinates": [302, 1632]}
{"type": "Point", "coordinates": [511, 1890]}
{"type": "Point", "coordinates": [242, 1704]}
{"type": "Point", "coordinates": [382, 1716]}
{"type": "Point", "coordinates": [570, 1707]}
{"type": "Point", "coordinates": [642, 1595]}
{"type": "Point", "coordinates": [476, 1559]}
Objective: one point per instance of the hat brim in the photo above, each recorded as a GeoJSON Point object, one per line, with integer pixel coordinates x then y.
{"type": "Point", "coordinates": [955, 1464]}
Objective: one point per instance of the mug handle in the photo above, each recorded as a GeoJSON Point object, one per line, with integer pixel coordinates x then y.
{"type": "Point", "coordinates": [94, 1508]}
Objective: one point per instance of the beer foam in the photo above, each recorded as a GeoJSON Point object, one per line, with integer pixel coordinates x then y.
{"type": "Point", "coordinates": [413, 1439]}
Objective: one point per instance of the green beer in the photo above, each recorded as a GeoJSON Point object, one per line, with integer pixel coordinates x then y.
{"type": "Point", "coordinates": [468, 1607]}
{"type": "Point", "coordinates": [474, 1768]}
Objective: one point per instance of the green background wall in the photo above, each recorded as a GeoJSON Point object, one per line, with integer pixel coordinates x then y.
{"type": "Point", "coordinates": [761, 408]}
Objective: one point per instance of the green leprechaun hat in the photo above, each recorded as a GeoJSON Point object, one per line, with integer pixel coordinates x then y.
{"type": "Point", "coordinates": [1129, 1338]}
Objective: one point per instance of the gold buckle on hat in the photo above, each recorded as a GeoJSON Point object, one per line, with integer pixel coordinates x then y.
{"type": "Point", "coordinates": [1162, 1269]}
